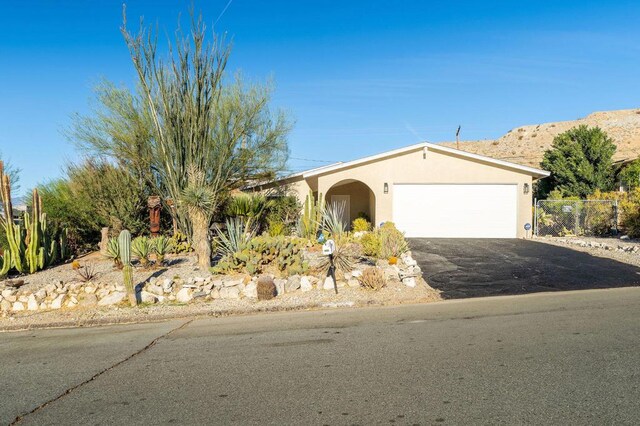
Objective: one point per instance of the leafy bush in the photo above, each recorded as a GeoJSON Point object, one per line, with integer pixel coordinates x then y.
{"type": "Point", "coordinates": [277, 228]}
{"type": "Point", "coordinates": [372, 278]}
{"type": "Point", "coordinates": [371, 244]}
{"type": "Point", "coordinates": [284, 209]}
{"type": "Point", "coordinates": [141, 248]}
{"type": "Point", "coordinates": [360, 225]}
{"type": "Point", "coordinates": [281, 254]}
{"type": "Point", "coordinates": [392, 241]}
{"type": "Point", "coordinates": [251, 208]}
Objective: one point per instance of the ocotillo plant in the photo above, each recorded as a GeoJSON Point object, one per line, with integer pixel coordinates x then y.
{"type": "Point", "coordinates": [124, 243]}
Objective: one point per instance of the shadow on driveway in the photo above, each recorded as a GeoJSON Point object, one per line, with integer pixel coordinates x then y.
{"type": "Point", "coordinates": [463, 268]}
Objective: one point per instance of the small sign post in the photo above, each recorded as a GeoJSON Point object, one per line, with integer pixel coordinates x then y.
{"type": "Point", "coordinates": [527, 227]}
{"type": "Point", "coordinates": [328, 249]}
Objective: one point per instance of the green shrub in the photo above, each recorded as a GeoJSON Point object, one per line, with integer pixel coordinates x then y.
{"type": "Point", "coordinates": [277, 228]}
{"type": "Point", "coordinates": [361, 225]}
{"type": "Point", "coordinates": [371, 244]}
{"type": "Point", "coordinates": [392, 241]}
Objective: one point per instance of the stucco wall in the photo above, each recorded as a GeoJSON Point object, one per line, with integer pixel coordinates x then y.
{"type": "Point", "coordinates": [437, 167]}
{"type": "Point", "coordinates": [361, 199]}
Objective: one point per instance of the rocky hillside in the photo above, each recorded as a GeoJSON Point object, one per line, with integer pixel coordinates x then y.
{"type": "Point", "coordinates": [527, 144]}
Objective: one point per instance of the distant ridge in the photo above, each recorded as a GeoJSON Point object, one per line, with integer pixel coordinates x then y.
{"type": "Point", "coordinates": [526, 144]}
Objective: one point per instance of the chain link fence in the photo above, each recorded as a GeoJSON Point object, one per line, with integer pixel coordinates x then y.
{"type": "Point", "coordinates": [561, 218]}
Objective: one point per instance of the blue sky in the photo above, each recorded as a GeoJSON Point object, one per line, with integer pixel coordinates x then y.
{"type": "Point", "coordinates": [358, 77]}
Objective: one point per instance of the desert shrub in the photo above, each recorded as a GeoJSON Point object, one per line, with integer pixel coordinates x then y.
{"type": "Point", "coordinates": [284, 209]}
{"type": "Point", "coordinates": [392, 241]}
{"type": "Point", "coordinates": [629, 213]}
{"type": "Point", "coordinates": [280, 254]}
{"type": "Point", "coordinates": [161, 245]}
{"type": "Point", "coordinates": [371, 244]}
{"type": "Point", "coordinates": [266, 288]}
{"type": "Point", "coordinates": [277, 228]}
{"type": "Point", "coordinates": [360, 225]}
{"type": "Point", "coordinates": [141, 248]}
{"type": "Point", "coordinates": [372, 278]}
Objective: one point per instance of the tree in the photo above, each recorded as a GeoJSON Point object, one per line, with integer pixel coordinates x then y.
{"type": "Point", "coordinates": [193, 135]}
{"type": "Point", "coordinates": [580, 161]}
{"type": "Point", "coordinates": [629, 176]}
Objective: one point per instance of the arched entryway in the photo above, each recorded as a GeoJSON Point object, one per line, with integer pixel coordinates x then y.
{"type": "Point", "coordinates": [357, 197]}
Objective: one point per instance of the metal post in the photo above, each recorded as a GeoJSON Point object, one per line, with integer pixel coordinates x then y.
{"type": "Point", "coordinates": [615, 216]}
{"type": "Point", "coordinates": [535, 215]}
{"type": "Point", "coordinates": [332, 273]}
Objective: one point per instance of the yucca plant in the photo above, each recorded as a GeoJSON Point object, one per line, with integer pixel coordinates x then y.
{"type": "Point", "coordinates": [344, 257]}
{"type": "Point", "coordinates": [234, 238]}
{"type": "Point", "coordinates": [332, 219]}
{"type": "Point", "coordinates": [141, 248]}
{"type": "Point", "coordinates": [161, 246]}
{"type": "Point", "coordinates": [113, 252]}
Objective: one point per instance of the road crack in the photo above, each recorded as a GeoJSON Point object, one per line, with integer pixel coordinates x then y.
{"type": "Point", "coordinates": [98, 374]}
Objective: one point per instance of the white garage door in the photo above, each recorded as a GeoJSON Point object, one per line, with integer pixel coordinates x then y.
{"type": "Point", "coordinates": [455, 211]}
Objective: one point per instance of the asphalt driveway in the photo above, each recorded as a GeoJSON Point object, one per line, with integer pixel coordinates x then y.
{"type": "Point", "coordinates": [463, 268]}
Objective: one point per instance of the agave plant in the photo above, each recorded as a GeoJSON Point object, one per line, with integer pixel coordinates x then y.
{"type": "Point", "coordinates": [332, 219]}
{"type": "Point", "coordinates": [236, 236]}
{"type": "Point", "coordinates": [113, 251]}
{"type": "Point", "coordinates": [141, 248]}
{"type": "Point", "coordinates": [161, 246]}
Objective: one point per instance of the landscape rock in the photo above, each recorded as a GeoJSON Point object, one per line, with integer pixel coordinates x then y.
{"type": "Point", "coordinates": [17, 306]}
{"type": "Point", "coordinates": [154, 289]}
{"type": "Point", "coordinates": [328, 284]}
{"type": "Point", "coordinates": [409, 281]}
{"type": "Point", "coordinates": [293, 283]}
{"type": "Point", "coordinates": [353, 283]}
{"type": "Point", "coordinates": [230, 292]}
{"type": "Point", "coordinates": [251, 290]}
{"type": "Point", "coordinates": [89, 300]}
{"type": "Point", "coordinates": [305, 284]}
{"type": "Point", "coordinates": [57, 302]}
{"type": "Point", "coordinates": [32, 303]}
{"type": "Point", "coordinates": [184, 295]}
{"type": "Point", "coordinates": [112, 299]}
{"type": "Point", "coordinates": [199, 294]}
{"type": "Point", "coordinates": [5, 306]}
{"type": "Point", "coordinates": [148, 297]}
{"type": "Point", "coordinates": [280, 286]}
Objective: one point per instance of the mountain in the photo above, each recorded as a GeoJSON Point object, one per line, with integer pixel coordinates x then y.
{"type": "Point", "coordinates": [526, 145]}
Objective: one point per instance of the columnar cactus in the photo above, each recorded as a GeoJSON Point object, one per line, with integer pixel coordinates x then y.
{"type": "Point", "coordinates": [124, 244]}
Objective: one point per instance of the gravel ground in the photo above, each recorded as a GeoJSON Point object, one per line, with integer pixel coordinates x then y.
{"type": "Point", "coordinates": [185, 267]}
{"type": "Point", "coordinates": [610, 248]}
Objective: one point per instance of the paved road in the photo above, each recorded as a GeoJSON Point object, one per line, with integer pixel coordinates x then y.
{"type": "Point", "coordinates": [563, 358]}
{"type": "Point", "coordinates": [463, 268]}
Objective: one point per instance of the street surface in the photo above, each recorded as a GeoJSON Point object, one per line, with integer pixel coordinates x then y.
{"type": "Point", "coordinates": [546, 358]}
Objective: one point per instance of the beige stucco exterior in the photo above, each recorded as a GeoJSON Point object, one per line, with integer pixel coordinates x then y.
{"type": "Point", "coordinates": [422, 165]}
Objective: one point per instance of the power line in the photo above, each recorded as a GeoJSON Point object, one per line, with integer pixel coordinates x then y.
{"type": "Point", "coordinates": [313, 161]}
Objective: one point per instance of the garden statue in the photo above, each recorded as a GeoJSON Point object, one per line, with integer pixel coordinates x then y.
{"type": "Point", "coordinates": [155, 205]}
